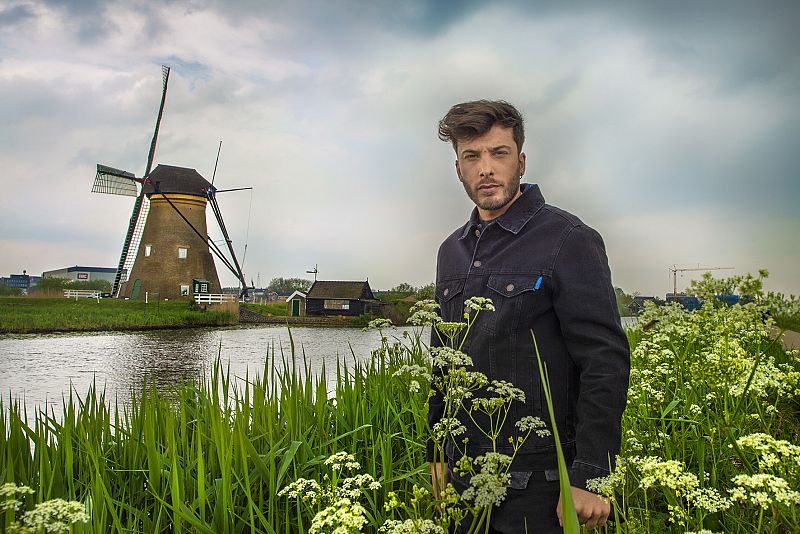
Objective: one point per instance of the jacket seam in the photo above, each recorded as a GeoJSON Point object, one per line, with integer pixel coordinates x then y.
{"type": "Point", "coordinates": [560, 245]}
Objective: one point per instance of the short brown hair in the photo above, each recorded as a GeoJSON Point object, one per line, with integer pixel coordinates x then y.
{"type": "Point", "coordinates": [469, 120]}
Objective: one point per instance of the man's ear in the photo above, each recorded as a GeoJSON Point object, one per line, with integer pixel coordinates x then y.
{"type": "Point", "coordinates": [458, 172]}
{"type": "Point", "coordinates": [521, 163]}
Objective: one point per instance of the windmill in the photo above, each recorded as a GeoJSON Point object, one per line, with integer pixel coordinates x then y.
{"type": "Point", "coordinates": [169, 219]}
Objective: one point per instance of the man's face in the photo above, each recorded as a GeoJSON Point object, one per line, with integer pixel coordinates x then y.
{"type": "Point", "coordinates": [490, 169]}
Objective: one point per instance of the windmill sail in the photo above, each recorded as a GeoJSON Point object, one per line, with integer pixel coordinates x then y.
{"type": "Point", "coordinates": [131, 245]}
{"type": "Point", "coordinates": [136, 239]}
{"type": "Point", "coordinates": [113, 181]}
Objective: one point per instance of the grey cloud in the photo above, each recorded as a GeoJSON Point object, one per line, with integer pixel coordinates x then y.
{"type": "Point", "coordinates": [15, 14]}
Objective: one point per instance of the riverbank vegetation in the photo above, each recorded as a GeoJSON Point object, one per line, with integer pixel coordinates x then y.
{"type": "Point", "coordinates": [271, 309]}
{"type": "Point", "coordinates": [54, 287]}
{"type": "Point", "coordinates": [709, 441]}
{"type": "Point", "coordinates": [20, 315]}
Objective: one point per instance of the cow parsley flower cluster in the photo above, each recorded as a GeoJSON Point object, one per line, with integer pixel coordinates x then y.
{"type": "Point", "coordinates": [341, 511]}
{"type": "Point", "coordinates": [9, 493]}
{"type": "Point", "coordinates": [342, 460]}
{"type": "Point", "coordinates": [423, 313]}
{"type": "Point", "coordinates": [378, 324]}
{"type": "Point", "coordinates": [55, 516]}
{"type": "Point", "coordinates": [479, 303]}
{"type": "Point", "coordinates": [764, 490]}
{"type": "Point", "coordinates": [342, 517]}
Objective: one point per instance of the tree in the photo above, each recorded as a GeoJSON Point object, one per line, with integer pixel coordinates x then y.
{"type": "Point", "coordinates": [624, 302]}
{"type": "Point", "coordinates": [427, 291]}
{"type": "Point", "coordinates": [6, 291]}
{"type": "Point", "coordinates": [57, 285]}
{"type": "Point", "coordinates": [289, 285]}
{"type": "Point", "coordinates": [405, 287]}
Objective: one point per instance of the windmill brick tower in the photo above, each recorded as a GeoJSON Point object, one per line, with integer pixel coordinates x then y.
{"type": "Point", "coordinates": [171, 251]}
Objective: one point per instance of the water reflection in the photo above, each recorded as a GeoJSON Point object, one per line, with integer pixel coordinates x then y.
{"type": "Point", "coordinates": [38, 370]}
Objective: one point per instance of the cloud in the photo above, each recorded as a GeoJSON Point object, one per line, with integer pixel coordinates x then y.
{"type": "Point", "coordinates": [15, 15]}
{"type": "Point", "coordinates": [667, 128]}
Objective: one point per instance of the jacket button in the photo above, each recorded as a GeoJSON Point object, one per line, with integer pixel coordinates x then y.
{"type": "Point", "coordinates": [476, 263]}
{"type": "Point", "coordinates": [510, 288]}
{"type": "Point", "coordinates": [446, 292]}
{"type": "Point", "coordinates": [478, 233]}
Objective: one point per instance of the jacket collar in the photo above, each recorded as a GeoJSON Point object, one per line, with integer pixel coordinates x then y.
{"type": "Point", "coordinates": [517, 216]}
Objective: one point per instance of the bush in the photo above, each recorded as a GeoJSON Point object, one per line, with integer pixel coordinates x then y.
{"type": "Point", "coordinates": [57, 285]}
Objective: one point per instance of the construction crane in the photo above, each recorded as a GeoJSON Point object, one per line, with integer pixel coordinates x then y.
{"type": "Point", "coordinates": [675, 270]}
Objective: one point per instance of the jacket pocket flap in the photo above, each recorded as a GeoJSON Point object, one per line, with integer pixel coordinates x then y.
{"type": "Point", "coordinates": [510, 285]}
{"type": "Point", "coordinates": [447, 289]}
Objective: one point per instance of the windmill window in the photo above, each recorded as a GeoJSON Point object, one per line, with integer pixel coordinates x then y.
{"type": "Point", "coordinates": [147, 250]}
{"type": "Point", "coordinates": [184, 289]}
{"type": "Point", "coordinates": [182, 252]}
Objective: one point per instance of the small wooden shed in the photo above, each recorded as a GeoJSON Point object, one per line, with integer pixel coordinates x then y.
{"type": "Point", "coordinates": [296, 304]}
{"type": "Point", "coordinates": [328, 297]}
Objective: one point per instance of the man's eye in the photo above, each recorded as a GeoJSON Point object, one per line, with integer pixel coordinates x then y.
{"type": "Point", "coordinates": [470, 156]}
{"type": "Point", "coordinates": [501, 153]}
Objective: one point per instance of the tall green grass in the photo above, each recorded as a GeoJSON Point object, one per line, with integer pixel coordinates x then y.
{"type": "Point", "coordinates": [211, 456]}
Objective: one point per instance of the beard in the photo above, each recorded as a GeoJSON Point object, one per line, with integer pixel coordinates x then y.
{"type": "Point", "coordinates": [504, 195]}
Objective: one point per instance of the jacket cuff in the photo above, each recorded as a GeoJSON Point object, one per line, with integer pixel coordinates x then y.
{"type": "Point", "coordinates": [580, 472]}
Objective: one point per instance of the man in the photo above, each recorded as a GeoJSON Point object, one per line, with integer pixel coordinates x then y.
{"type": "Point", "coordinates": [547, 274]}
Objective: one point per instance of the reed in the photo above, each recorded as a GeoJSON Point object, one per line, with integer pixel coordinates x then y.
{"type": "Point", "coordinates": [210, 456]}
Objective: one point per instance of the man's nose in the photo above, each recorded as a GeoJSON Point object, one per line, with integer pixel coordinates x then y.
{"type": "Point", "coordinates": [485, 167]}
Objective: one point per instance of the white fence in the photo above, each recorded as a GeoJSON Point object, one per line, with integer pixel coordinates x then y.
{"type": "Point", "coordinates": [81, 294]}
{"type": "Point", "coordinates": [209, 298]}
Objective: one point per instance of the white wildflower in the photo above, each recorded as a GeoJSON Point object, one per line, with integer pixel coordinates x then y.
{"type": "Point", "coordinates": [55, 516]}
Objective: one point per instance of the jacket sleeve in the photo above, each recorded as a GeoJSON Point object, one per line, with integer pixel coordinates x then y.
{"type": "Point", "coordinates": [585, 303]}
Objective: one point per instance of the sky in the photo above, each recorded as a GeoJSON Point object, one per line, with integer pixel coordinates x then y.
{"type": "Point", "coordinates": [670, 127]}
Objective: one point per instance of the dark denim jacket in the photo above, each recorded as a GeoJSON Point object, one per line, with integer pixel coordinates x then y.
{"type": "Point", "coordinates": [546, 272]}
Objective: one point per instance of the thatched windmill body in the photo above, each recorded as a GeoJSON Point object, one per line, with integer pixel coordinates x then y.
{"type": "Point", "coordinates": [167, 247]}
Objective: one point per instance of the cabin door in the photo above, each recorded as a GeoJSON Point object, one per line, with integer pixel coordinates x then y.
{"type": "Point", "coordinates": [295, 307]}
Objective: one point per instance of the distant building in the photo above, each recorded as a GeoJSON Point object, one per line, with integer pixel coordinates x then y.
{"type": "Point", "coordinates": [22, 281]}
{"type": "Point", "coordinates": [296, 304]}
{"type": "Point", "coordinates": [341, 298]}
{"type": "Point", "coordinates": [85, 274]}
{"type": "Point", "coordinates": [689, 302]}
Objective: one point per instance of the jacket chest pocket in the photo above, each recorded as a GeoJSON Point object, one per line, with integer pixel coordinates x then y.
{"type": "Point", "coordinates": [515, 299]}
{"type": "Point", "coordinates": [449, 294]}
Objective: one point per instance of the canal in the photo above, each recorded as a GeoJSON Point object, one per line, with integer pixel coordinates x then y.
{"type": "Point", "coordinates": [38, 370]}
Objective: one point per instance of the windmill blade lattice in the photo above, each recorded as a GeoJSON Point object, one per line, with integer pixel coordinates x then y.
{"type": "Point", "coordinates": [135, 241]}
{"type": "Point", "coordinates": [113, 181]}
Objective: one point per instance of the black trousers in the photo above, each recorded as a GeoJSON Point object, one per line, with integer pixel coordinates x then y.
{"type": "Point", "coordinates": [529, 506]}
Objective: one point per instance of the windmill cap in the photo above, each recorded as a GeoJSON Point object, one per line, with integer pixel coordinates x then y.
{"type": "Point", "coordinates": [178, 180]}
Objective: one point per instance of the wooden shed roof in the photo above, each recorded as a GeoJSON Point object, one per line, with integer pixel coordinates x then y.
{"type": "Point", "coordinates": [332, 289]}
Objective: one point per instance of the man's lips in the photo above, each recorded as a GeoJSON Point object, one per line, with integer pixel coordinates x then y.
{"type": "Point", "coordinates": [488, 188]}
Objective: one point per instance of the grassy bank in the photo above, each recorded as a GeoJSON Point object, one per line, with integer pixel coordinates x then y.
{"type": "Point", "coordinates": [709, 440]}
{"type": "Point", "coordinates": [273, 309]}
{"type": "Point", "coordinates": [32, 315]}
